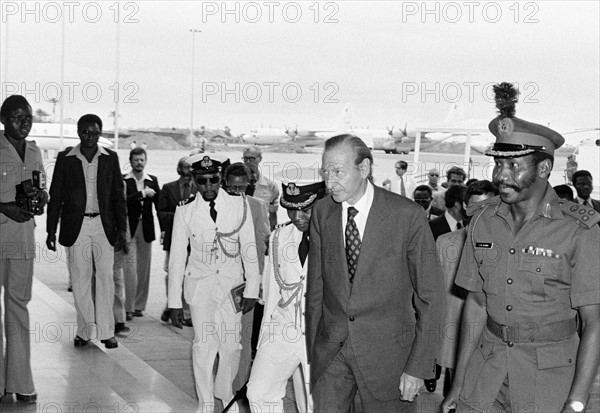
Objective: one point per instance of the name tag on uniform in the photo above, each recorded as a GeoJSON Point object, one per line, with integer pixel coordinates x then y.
{"type": "Point", "coordinates": [485, 245]}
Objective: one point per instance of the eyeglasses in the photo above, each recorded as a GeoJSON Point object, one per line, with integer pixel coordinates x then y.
{"type": "Point", "coordinates": [422, 201]}
{"type": "Point", "coordinates": [21, 118]}
{"type": "Point", "coordinates": [434, 175]}
{"type": "Point", "coordinates": [92, 133]}
{"type": "Point", "coordinates": [249, 158]}
{"type": "Point", "coordinates": [204, 181]}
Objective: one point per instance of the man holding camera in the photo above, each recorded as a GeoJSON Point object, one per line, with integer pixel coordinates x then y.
{"type": "Point", "coordinates": [22, 196]}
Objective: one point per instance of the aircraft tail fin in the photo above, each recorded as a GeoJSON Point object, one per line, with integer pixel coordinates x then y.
{"type": "Point", "coordinates": [344, 123]}
{"type": "Point", "coordinates": [456, 114]}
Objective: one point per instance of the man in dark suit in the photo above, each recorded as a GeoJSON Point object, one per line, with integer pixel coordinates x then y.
{"type": "Point", "coordinates": [374, 284]}
{"type": "Point", "coordinates": [171, 195]}
{"type": "Point", "coordinates": [453, 217]}
{"type": "Point", "coordinates": [583, 183]}
{"type": "Point", "coordinates": [423, 196]}
{"type": "Point", "coordinates": [87, 197]}
{"type": "Point", "coordinates": [142, 191]}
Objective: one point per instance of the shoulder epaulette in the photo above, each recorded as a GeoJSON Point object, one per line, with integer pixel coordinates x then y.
{"type": "Point", "coordinates": [585, 215]}
{"type": "Point", "coordinates": [472, 209]}
{"type": "Point", "coordinates": [285, 224]}
{"type": "Point", "coordinates": [187, 201]}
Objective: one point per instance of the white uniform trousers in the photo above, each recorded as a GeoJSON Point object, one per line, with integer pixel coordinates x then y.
{"type": "Point", "coordinates": [92, 250]}
{"type": "Point", "coordinates": [140, 255]}
{"type": "Point", "coordinates": [279, 356]}
{"type": "Point", "coordinates": [216, 331]}
{"type": "Point", "coordinates": [15, 366]}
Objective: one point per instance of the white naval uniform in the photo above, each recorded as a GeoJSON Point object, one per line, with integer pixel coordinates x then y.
{"type": "Point", "coordinates": [281, 346]}
{"type": "Point", "coordinates": [209, 277]}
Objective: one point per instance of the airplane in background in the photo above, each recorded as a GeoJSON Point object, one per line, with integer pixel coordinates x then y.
{"type": "Point", "coordinates": [266, 136]}
{"type": "Point", "coordinates": [47, 136]}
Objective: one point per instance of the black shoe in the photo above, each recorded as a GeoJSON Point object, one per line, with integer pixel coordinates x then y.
{"type": "Point", "coordinates": [430, 385]}
{"type": "Point", "coordinates": [79, 342]}
{"type": "Point", "coordinates": [166, 316]}
{"type": "Point", "coordinates": [26, 398]}
{"type": "Point", "coordinates": [138, 313]}
{"type": "Point", "coordinates": [70, 289]}
{"type": "Point", "coordinates": [121, 328]}
{"type": "Point", "coordinates": [110, 342]}
{"type": "Point", "coordinates": [188, 322]}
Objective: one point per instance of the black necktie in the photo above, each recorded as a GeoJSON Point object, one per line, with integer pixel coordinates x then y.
{"type": "Point", "coordinates": [459, 225]}
{"type": "Point", "coordinates": [186, 190]}
{"type": "Point", "coordinates": [352, 242]}
{"type": "Point", "coordinates": [586, 203]}
{"type": "Point", "coordinates": [303, 248]}
{"type": "Point", "coordinates": [213, 211]}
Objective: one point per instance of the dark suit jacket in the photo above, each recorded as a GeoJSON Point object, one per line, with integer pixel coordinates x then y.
{"type": "Point", "coordinates": [138, 206]}
{"type": "Point", "coordinates": [392, 311]}
{"type": "Point", "coordinates": [439, 226]}
{"type": "Point", "coordinates": [170, 197]}
{"type": "Point", "coordinates": [68, 197]}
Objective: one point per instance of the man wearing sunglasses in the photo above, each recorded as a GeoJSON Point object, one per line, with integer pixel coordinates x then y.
{"type": "Point", "coordinates": [219, 231]}
{"type": "Point", "coordinates": [87, 196]}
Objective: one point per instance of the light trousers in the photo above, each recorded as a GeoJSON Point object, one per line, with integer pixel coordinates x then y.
{"type": "Point", "coordinates": [94, 310]}
{"type": "Point", "coordinates": [137, 287]}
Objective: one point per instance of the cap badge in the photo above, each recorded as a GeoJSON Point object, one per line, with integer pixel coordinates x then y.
{"type": "Point", "coordinates": [292, 190]}
{"type": "Point", "coordinates": [206, 162]}
{"type": "Point", "coordinates": [505, 126]}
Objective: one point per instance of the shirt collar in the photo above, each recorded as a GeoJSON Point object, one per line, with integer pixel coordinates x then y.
{"type": "Point", "coordinates": [76, 150]}
{"type": "Point", "coordinates": [364, 203]}
{"type": "Point", "coordinates": [145, 176]}
{"type": "Point", "coordinates": [451, 221]}
{"type": "Point", "coordinates": [30, 146]}
{"type": "Point", "coordinates": [581, 200]}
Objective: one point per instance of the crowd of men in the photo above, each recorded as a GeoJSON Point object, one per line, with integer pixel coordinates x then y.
{"type": "Point", "coordinates": [367, 295]}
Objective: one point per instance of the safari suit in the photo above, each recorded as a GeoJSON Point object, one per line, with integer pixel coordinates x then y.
{"type": "Point", "coordinates": [281, 346]}
{"type": "Point", "coordinates": [533, 282]}
{"type": "Point", "coordinates": [215, 266]}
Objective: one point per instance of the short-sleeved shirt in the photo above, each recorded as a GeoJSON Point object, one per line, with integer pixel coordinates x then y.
{"type": "Point", "coordinates": [544, 272]}
{"type": "Point", "coordinates": [16, 239]}
{"type": "Point", "coordinates": [267, 191]}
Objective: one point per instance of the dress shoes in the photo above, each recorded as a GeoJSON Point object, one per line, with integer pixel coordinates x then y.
{"type": "Point", "coordinates": [166, 316]}
{"type": "Point", "coordinates": [430, 385]}
{"type": "Point", "coordinates": [129, 316]}
{"type": "Point", "coordinates": [26, 398]}
{"type": "Point", "coordinates": [79, 342]}
{"type": "Point", "coordinates": [121, 328]}
{"type": "Point", "coordinates": [110, 342]}
{"type": "Point", "coordinates": [188, 322]}
{"type": "Point", "coordinates": [138, 313]}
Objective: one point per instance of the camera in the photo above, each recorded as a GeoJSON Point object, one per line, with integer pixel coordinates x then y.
{"type": "Point", "coordinates": [27, 193]}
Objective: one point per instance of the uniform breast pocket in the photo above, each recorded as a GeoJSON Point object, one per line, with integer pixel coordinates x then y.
{"type": "Point", "coordinates": [540, 273]}
{"type": "Point", "coordinates": [488, 266]}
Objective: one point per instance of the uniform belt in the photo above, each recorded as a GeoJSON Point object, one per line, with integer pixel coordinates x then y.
{"type": "Point", "coordinates": [532, 332]}
{"type": "Point", "coordinates": [91, 215]}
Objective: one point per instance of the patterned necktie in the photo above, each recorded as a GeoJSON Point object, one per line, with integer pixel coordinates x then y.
{"type": "Point", "coordinates": [352, 242]}
{"type": "Point", "coordinates": [402, 189]}
{"type": "Point", "coordinates": [213, 211]}
{"type": "Point", "coordinates": [303, 248]}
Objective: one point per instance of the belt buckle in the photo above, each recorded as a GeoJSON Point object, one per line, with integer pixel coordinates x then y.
{"type": "Point", "coordinates": [504, 330]}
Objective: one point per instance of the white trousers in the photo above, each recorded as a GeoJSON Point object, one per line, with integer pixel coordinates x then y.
{"type": "Point", "coordinates": [92, 250]}
{"type": "Point", "coordinates": [278, 358]}
{"type": "Point", "coordinates": [216, 331]}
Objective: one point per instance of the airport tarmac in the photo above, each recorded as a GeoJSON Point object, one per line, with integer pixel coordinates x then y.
{"type": "Point", "coordinates": [151, 369]}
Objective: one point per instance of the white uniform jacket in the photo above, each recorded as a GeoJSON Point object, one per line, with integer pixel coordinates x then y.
{"type": "Point", "coordinates": [222, 253]}
{"type": "Point", "coordinates": [287, 261]}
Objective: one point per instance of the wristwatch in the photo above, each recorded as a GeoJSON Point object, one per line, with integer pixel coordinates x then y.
{"type": "Point", "coordinates": [576, 405]}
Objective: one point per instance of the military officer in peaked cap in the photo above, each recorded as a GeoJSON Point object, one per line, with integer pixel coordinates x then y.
{"type": "Point", "coordinates": [282, 346]}
{"type": "Point", "coordinates": [219, 230]}
{"type": "Point", "coordinates": [530, 267]}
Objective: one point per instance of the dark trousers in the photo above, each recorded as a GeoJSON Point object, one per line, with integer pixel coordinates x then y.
{"type": "Point", "coordinates": [335, 390]}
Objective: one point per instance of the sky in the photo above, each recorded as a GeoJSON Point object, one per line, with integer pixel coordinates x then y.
{"type": "Point", "coordinates": [297, 64]}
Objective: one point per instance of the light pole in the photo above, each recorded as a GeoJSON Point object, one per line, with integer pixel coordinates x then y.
{"type": "Point", "coordinates": [193, 31]}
